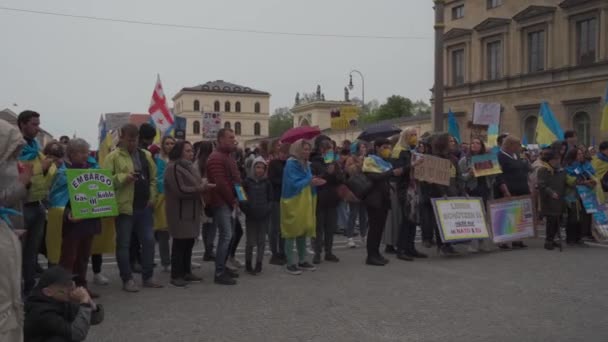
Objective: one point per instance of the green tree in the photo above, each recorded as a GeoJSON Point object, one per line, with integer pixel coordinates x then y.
{"type": "Point", "coordinates": [422, 108]}
{"type": "Point", "coordinates": [280, 121]}
{"type": "Point", "coordinates": [396, 106]}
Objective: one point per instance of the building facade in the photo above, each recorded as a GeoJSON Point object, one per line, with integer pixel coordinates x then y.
{"type": "Point", "coordinates": [522, 52]}
{"type": "Point", "coordinates": [244, 109]}
{"type": "Point", "coordinates": [9, 116]}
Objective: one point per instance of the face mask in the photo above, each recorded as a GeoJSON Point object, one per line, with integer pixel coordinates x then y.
{"type": "Point", "coordinates": [329, 157]}
{"type": "Point", "coordinates": [413, 140]}
{"type": "Point", "coordinates": [385, 153]}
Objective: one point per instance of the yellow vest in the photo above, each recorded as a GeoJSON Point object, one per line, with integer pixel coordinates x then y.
{"type": "Point", "coordinates": [41, 183]}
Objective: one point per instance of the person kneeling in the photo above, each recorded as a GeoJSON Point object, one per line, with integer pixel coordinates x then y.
{"type": "Point", "coordinates": [57, 311]}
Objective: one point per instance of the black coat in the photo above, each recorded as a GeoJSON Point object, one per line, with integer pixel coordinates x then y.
{"type": "Point", "coordinates": [380, 195]}
{"type": "Point", "coordinates": [403, 161]}
{"type": "Point", "coordinates": [514, 175]}
{"type": "Point", "coordinates": [551, 182]}
{"type": "Point", "coordinates": [275, 176]}
{"type": "Point", "coordinates": [259, 198]}
{"type": "Point", "coordinates": [49, 320]}
{"type": "Point", "coordinates": [327, 194]}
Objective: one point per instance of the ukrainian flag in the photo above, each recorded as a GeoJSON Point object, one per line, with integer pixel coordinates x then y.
{"type": "Point", "coordinates": [548, 129]}
{"type": "Point", "coordinates": [298, 201]}
{"type": "Point", "coordinates": [604, 124]}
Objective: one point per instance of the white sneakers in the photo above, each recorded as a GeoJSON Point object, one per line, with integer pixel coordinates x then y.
{"type": "Point", "coordinates": [351, 243]}
{"type": "Point", "coordinates": [100, 279]}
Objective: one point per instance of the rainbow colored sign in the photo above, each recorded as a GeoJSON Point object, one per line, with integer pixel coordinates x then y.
{"type": "Point", "coordinates": [511, 219]}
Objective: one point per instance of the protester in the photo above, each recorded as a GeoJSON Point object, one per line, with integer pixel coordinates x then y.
{"type": "Point", "coordinates": [579, 173]}
{"type": "Point", "coordinates": [342, 209]}
{"type": "Point", "coordinates": [209, 228]}
{"type": "Point", "coordinates": [58, 311]}
{"type": "Point", "coordinates": [77, 234]}
{"type": "Point", "coordinates": [257, 210]}
{"type": "Point", "coordinates": [571, 140]}
{"type": "Point", "coordinates": [56, 202]}
{"type": "Point", "coordinates": [378, 170]}
{"type": "Point", "coordinates": [13, 190]}
{"type": "Point", "coordinates": [275, 175]}
{"type": "Point", "coordinates": [134, 176]}
{"type": "Point", "coordinates": [357, 210]}
{"type": "Point", "coordinates": [405, 234]}
{"type": "Point", "coordinates": [551, 186]}
{"type": "Point", "coordinates": [34, 213]}
{"type": "Point", "coordinates": [475, 186]}
{"type": "Point", "coordinates": [323, 165]}
{"type": "Point", "coordinates": [298, 197]}
{"type": "Point", "coordinates": [161, 232]}
{"type": "Point", "coordinates": [183, 190]}
{"type": "Point", "coordinates": [600, 165]}
{"type": "Point", "coordinates": [223, 172]}
{"type": "Point", "coordinates": [244, 168]}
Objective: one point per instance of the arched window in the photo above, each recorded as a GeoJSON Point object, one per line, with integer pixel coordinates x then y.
{"type": "Point", "coordinates": [227, 124]}
{"type": "Point", "coordinates": [196, 127]}
{"type": "Point", "coordinates": [530, 129]}
{"type": "Point", "coordinates": [582, 126]}
{"type": "Point", "coordinates": [216, 106]}
{"type": "Point", "coordinates": [237, 128]}
{"type": "Point", "coordinates": [227, 106]}
{"type": "Point", "coordinates": [237, 107]}
{"type": "Point", "coordinates": [257, 107]}
{"type": "Point", "coordinates": [197, 106]}
{"type": "Point", "coordinates": [257, 129]}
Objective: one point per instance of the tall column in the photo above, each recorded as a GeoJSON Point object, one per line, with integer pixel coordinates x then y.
{"type": "Point", "coordinates": [439, 66]}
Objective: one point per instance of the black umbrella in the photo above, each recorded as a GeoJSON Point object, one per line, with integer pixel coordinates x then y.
{"type": "Point", "coordinates": [379, 131]}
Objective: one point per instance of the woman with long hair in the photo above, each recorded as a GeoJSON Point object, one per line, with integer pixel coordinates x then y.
{"type": "Point", "coordinates": [209, 229]}
{"type": "Point", "coordinates": [161, 232]}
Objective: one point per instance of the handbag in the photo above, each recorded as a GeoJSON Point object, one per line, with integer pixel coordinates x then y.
{"type": "Point", "coordinates": [359, 185]}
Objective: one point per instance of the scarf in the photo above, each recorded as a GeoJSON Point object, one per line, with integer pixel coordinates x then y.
{"type": "Point", "coordinates": [375, 164]}
{"type": "Point", "coordinates": [30, 151]}
{"type": "Point", "coordinates": [5, 213]}
{"type": "Point", "coordinates": [577, 169]}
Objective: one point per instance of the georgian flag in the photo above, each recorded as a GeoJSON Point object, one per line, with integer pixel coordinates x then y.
{"type": "Point", "coordinates": [159, 110]}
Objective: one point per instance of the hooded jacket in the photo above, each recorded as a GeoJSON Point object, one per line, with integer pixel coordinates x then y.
{"type": "Point", "coordinates": [259, 194]}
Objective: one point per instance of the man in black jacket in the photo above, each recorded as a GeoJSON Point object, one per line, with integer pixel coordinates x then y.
{"type": "Point", "coordinates": [57, 311]}
{"type": "Point", "coordinates": [323, 165]}
{"type": "Point", "coordinates": [275, 175]}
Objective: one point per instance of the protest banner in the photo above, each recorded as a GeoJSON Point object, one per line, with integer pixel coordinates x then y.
{"type": "Point", "coordinates": [486, 113]}
{"type": "Point", "coordinates": [600, 223]}
{"type": "Point", "coordinates": [344, 117]}
{"type": "Point", "coordinates": [511, 219]}
{"type": "Point", "coordinates": [91, 193]}
{"type": "Point", "coordinates": [588, 198]}
{"type": "Point", "coordinates": [433, 170]}
{"type": "Point", "coordinates": [460, 219]}
{"type": "Point", "coordinates": [486, 165]}
{"type": "Point", "coordinates": [212, 123]}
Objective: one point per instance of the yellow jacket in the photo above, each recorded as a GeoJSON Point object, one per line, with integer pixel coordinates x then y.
{"type": "Point", "coordinates": [41, 183]}
{"type": "Point", "coordinates": [120, 163]}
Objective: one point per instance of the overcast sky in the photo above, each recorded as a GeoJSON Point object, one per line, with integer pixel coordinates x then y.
{"type": "Point", "coordinates": [71, 70]}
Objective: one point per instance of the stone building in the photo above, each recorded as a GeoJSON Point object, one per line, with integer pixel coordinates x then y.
{"type": "Point", "coordinates": [523, 52]}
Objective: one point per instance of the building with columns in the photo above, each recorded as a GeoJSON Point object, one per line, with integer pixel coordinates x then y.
{"type": "Point", "coordinates": [523, 52]}
{"type": "Point", "coordinates": [244, 109]}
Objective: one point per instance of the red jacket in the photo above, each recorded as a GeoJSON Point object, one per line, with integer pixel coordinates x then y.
{"type": "Point", "coordinates": [223, 172]}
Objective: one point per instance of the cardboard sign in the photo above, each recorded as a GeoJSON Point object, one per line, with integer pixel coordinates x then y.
{"type": "Point", "coordinates": [91, 193]}
{"type": "Point", "coordinates": [212, 123]}
{"type": "Point", "coordinates": [433, 170]}
{"type": "Point", "coordinates": [511, 219]}
{"type": "Point", "coordinates": [486, 165]}
{"type": "Point", "coordinates": [344, 117]}
{"type": "Point", "coordinates": [460, 219]}
{"type": "Point", "coordinates": [486, 113]}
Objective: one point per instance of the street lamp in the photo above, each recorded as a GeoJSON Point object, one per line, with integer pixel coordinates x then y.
{"type": "Point", "coordinates": [351, 85]}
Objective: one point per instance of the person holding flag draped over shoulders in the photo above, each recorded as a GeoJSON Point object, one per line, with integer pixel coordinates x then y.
{"type": "Point", "coordinates": [600, 165]}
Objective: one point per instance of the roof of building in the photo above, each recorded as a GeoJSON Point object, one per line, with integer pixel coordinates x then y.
{"type": "Point", "coordinates": [221, 86]}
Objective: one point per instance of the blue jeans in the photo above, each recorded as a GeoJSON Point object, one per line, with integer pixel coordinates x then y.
{"type": "Point", "coordinates": [357, 209]}
{"type": "Point", "coordinates": [342, 215]}
{"type": "Point", "coordinates": [140, 223]}
{"type": "Point", "coordinates": [222, 217]}
{"type": "Point", "coordinates": [34, 218]}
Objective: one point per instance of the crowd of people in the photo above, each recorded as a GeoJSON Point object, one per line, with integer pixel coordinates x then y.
{"type": "Point", "coordinates": [287, 195]}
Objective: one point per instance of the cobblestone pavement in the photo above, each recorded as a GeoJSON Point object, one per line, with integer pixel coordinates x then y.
{"type": "Point", "coordinates": [526, 295]}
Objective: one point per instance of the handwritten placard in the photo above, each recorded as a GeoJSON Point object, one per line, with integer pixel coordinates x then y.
{"type": "Point", "coordinates": [433, 169]}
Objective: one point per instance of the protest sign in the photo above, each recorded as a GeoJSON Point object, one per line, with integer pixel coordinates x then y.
{"type": "Point", "coordinates": [212, 123]}
{"type": "Point", "coordinates": [588, 198]}
{"type": "Point", "coordinates": [460, 219]}
{"type": "Point", "coordinates": [91, 193]}
{"type": "Point", "coordinates": [433, 169]}
{"type": "Point", "coordinates": [600, 223]}
{"type": "Point", "coordinates": [486, 113]}
{"type": "Point", "coordinates": [511, 219]}
{"type": "Point", "coordinates": [485, 165]}
{"type": "Point", "coordinates": [344, 117]}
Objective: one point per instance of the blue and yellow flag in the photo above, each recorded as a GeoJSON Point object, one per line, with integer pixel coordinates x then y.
{"type": "Point", "coordinates": [548, 129]}
{"type": "Point", "coordinates": [453, 128]}
{"type": "Point", "coordinates": [604, 124]}
{"type": "Point", "coordinates": [298, 201]}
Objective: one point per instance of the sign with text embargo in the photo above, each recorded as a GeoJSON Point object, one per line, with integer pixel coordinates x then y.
{"type": "Point", "coordinates": [460, 219]}
{"type": "Point", "coordinates": [511, 219]}
{"type": "Point", "coordinates": [91, 193]}
{"type": "Point", "coordinates": [433, 169]}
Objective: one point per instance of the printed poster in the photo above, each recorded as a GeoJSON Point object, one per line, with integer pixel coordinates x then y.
{"type": "Point", "coordinates": [91, 193]}
{"type": "Point", "coordinates": [434, 169]}
{"type": "Point", "coordinates": [460, 219]}
{"type": "Point", "coordinates": [588, 198]}
{"type": "Point", "coordinates": [600, 223]}
{"type": "Point", "coordinates": [212, 123]}
{"type": "Point", "coordinates": [486, 113]}
{"type": "Point", "coordinates": [486, 165]}
{"type": "Point", "coordinates": [511, 219]}
{"type": "Point", "coordinates": [344, 117]}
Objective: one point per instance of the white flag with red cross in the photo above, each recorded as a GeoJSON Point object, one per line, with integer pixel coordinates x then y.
{"type": "Point", "coordinates": [159, 110]}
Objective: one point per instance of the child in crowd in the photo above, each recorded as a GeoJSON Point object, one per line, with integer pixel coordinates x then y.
{"type": "Point", "coordinates": [551, 188]}
{"type": "Point", "coordinates": [257, 210]}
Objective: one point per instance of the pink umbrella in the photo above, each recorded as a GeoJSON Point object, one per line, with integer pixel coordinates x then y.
{"type": "Point", "coordinates": [297, 133]}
